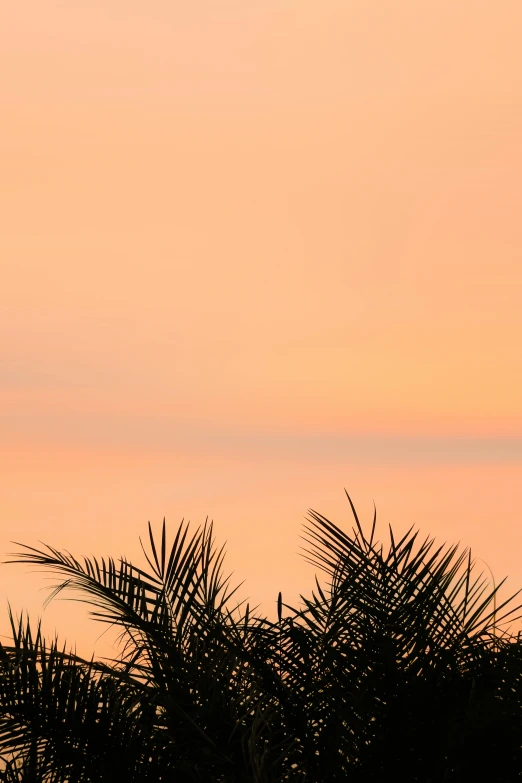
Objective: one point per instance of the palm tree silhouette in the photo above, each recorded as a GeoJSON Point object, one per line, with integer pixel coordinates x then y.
{"type": "Point", "coordinates": [396, 666]}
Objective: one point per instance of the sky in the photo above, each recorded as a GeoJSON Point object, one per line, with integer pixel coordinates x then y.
{"type": "Point", "coordinates": [252, 254]}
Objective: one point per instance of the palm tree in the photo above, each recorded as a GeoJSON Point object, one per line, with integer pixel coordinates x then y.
{"type": "Point", "coordinates": [398, 665]}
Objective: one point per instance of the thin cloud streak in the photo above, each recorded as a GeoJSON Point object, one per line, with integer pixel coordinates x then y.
{"type": "Point", "coordinates": [161, 434]}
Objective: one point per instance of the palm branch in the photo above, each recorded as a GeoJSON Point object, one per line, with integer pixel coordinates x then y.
{"type": "Point", "coordinates": [396, 664]}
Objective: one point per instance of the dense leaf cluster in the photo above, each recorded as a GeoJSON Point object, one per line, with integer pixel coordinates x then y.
{"type": "Point", "coordinates": [396, 667]}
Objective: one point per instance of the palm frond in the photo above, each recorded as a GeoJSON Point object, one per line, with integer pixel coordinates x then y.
{"type": "Point", "coordinates": [398, 647]}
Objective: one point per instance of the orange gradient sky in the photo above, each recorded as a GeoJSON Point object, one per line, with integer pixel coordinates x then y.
{"type": "Point", "coordinates": [253, 253]}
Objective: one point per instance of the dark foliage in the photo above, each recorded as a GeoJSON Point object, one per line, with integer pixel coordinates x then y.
{"type": "Point", "coordinates": [396, 667]}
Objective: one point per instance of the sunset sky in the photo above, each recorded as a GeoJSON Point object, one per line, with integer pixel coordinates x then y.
{"type": "Point", "coordinates": [253, 253]}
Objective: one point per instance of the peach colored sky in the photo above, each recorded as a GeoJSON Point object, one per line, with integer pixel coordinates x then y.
{"type": "Point", "coordinates": [253, 253]}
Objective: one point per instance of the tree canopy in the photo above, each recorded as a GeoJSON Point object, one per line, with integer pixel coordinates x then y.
{"type": "Point", "coordinates": [399, 664]}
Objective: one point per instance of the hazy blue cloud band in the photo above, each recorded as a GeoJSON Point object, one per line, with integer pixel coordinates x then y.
{"type": "Point", "coordinates": [162, 434]}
